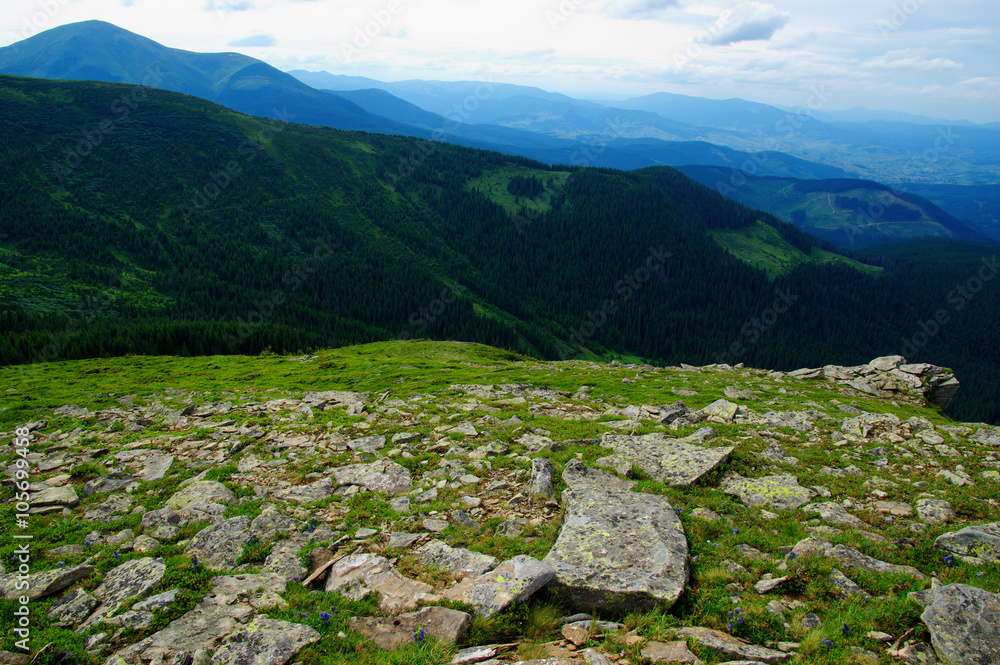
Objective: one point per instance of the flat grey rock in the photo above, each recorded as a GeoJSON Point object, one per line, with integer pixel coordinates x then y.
{"type": "Point", "coordinates": [456, 560]}
{"type": "Point", "coordinates": [220, 545]}
{"type": "Point", "coordinates": [981, 542]}
{"type": "Point", "coordinates": [367, 444]}
{"type": "Point", "coordinates": [542, 473]}
{"type": "Point", "coordinates": [44, 584]}
{"type": "Point", "coordinates": [934, 511]}
{"type": "Point", "coordinates": [778, 492]}
{"type": "Point", "coordinates": [834, 513]}
{"type": "Point", "coordinates": [271, 522]}
{"type": "Point", "coordinates": [845, 586]}
{"type": "Point", "coordinates": [357, 575]}
{"type": "Point", "coordinates": [382, 476]}
{"type": "Point", "coordinates": [578, 475]}
{"type": "Point", "coordinates": [199, 492]}
{"type": "Point", "coordinates": [671, 461]}
{"type": "Point", "coordinates": [856, 559]}
{"type": "Point", "coordinates": [392, 633]}
{"type": "Point", "coordinates": [156, 467]}
{"type": "Point", "coordinates": [732, 647]}
{"type": "Point", "coordinates": [112, 482]}
{"type": "Point", "coordinates": [513, 581]}
{"type": "Point", "coordinates": [132, 579]}
{"type": "Point", "coordinates": [55, 496]}
{"type": "Point", "coordinates": [73, 608]}
{"type": "Point", "coordinates": [964, 623]}
{"type": "Point", "coordinates": [595, 555]}
{"type": "Point", "coordinates": [264, 642]}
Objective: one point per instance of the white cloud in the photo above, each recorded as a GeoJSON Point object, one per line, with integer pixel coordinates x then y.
{"type": "Point", "coordinates": [255, 40]}
{"type": "Point", "coordinates": [748, 21]}
{"type": "Point", "coordinates": [637, 9]}
{"type": "Point", "coordinates": [911, 59]}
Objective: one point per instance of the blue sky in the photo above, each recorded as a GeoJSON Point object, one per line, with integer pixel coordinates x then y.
{"type": "Point", "coordinates": [931, 57]}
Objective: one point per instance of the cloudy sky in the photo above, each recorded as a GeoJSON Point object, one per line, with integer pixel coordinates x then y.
{"type": "Point", "coordinates": [932, 57]}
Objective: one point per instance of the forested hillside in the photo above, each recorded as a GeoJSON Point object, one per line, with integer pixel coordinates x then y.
{"type": "Point", "coordinates": [149, 222]}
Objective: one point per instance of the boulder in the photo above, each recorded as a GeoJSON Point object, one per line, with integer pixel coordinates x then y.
{"type": "Point", "coordinates": [856, 559]}
{"type": "Point", "coordinates": [595, 554]}
{"type": "Point", "coordinates": [357, 575]}
{"type": "Point", "coordinates": [778, 492]}
{"type": "Point", "coordinates": [513, 581]}
{"type": "Point", "coordinates": [934, 511]}
{"type": "Point", "coordinates": [156, 467]}
{"type": "Point", "coordinates": [733, 648]}
{"type": "Point", "coordinates": [834, 513]}
{"type": "Point", "coordinates": [671, 461]}
{"type": "Point", "coordinates": [669, 652]}
{"type": "Point", "coordinates": [456, 560]}
{"type": "Point", "coordinates": [220, 545]}
{"type": "Point", "coordinates": [55, 496]}
{"type": "Point", "coordinates": [44, 584]}
{"type": "Point", "coordinates": [73, 608]}
{"type": "Point", "coordinates": [264, 642]}
{"type": "Point", "coordinates": [391, 633]}
{"type": "Point", "coordinates": [578, 475]}
{"type": "Point", "coordinates": [981, 542]}
{"type": "Point", "coordinates": [382, 476]}
{"type": "Point", "coordinates": [542, 472]}
{"type": "Point", "coordinates": [133, 579]}
{"type": "Point", "coordinates": [112, 482]}
{"type": "Point", "coordinates": [200, 492]}
{"type": "Point", "coordinates": [367, 444]}
{"type": "Point", "coordinates": [964, 623]}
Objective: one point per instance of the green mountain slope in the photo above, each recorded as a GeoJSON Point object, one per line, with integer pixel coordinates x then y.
{"type": "Point", "coordinates": [849, 213]}
{"type": "Point", "coordinates": [164, 224]}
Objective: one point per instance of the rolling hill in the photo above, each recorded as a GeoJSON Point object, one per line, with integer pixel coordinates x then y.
{"type": "Point", "coordinates": [244, 234]}
{"type": "Point", "coordinates": [848, 213]}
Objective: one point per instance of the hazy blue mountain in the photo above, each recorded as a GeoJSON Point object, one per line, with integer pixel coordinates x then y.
{"type": "Point", "coordinates": [99, 51]}
{"type": "Point", "coordinates": [980, 204]}
{"type": "Point", "coordinates": [859, 114]}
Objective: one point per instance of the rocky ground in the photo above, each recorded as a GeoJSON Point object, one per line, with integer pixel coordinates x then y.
{"type": "Point", "coordinates": [555, 513]}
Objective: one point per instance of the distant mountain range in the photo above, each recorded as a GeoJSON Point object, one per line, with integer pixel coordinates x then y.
{"type": "Point", "coordinates": [653, 130]}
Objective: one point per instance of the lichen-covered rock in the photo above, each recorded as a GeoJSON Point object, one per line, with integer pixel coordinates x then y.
{"type": "Point", "coordinates": [382, 476]}
{"type": "Point", "coordinates": [391, 633]}
{"type": "Point", "coordinates": [220, 545]}
{"type": "Point", "coordinates": [200, 492]}
{"type": "Point", "coordinates": [44, 584]}
{"type": "Point", "coordinates": [367, 444]}
{"type": "Point", "coordinates": [542, 472]}
{"type": "Point", "coordinates": [964, 623]}
{"type": "Point", "coordinates": [264, 642]}
{"type": "Point", "coordinates": [178, 519]}
{"type": "Point", "coordinates": [856, 559]}
{"type": "Point", "coordinates": [132, 579]}
{"type": "Point", "coordinates": [356, 576]}
{"type": "Point", "coordinates": [778, 492]}
{"type": "Point", "coordinates": [834, 513]}
{"type": "Point", "coordinates": [284, 557]}
{"type": "Point", "coordinates": [55, 496]}
{"type": "Point", "coordinates": [732, 647]}
{"type": "Point", "coordinates": [73, 608]}
{"type": "Point", "coordinates": [981, 542]}
{"type": "Point", "coordinates": [113, 482]}
{"type": "Point", "coordinates": [513, 581]}
{"type": "Point", "coordinates": [597, 555]}
{"type": "Point", "coordinates": [934, 511]}
{"type": "Point", "coordinates": [270, 523]}
{"type": "Point", "coordinates": [578, 475]}
{"type": "Point", "coordinates": [455, 559]}
{"type": "Point", "coordinates": [156, 467]}
{"type": "Point", "coordinates": [665, 459]}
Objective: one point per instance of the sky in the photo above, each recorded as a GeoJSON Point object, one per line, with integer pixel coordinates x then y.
{"type": "Point", "coordinates": [938, 58]}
